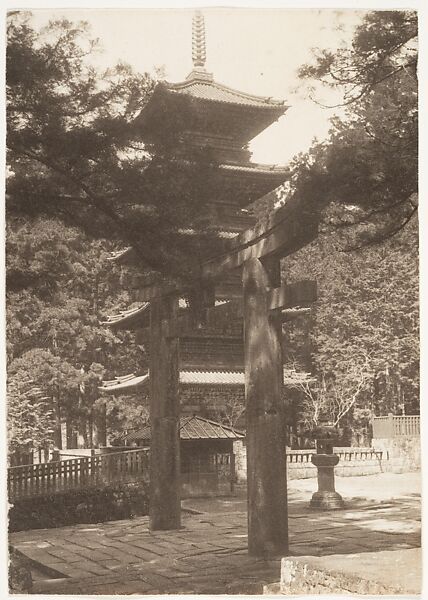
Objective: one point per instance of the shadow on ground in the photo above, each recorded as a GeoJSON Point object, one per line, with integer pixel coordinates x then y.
{"type": "Point", "coordinates": [208, 555]}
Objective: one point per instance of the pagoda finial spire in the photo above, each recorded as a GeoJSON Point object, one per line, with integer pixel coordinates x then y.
{"type": "Point", "coordinates": [198, 40]}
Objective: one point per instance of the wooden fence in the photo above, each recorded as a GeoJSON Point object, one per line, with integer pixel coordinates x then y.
{"type": "Point", "coordinates": [77, 473]}
{"type": "Point", "coordinates": [41, 455]}
{"type": "Point", "coordinates": [396, 426]}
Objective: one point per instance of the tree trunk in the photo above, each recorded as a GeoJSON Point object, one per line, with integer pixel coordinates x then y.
{"type": "Point", "coordinates": [91, 429]}
{"type": "Point", "coordinates": [57, 429]}
{"type": "Point", "coordinates": [165, 509]}
{"type": "Point", "coordinates": [82, 435]}
{"type": "Point", "coordinates": [266, 461]}
{"type": "Point", "coordinates": [102, 425]}
{"type": "Point", "coordinates": [69, 431]}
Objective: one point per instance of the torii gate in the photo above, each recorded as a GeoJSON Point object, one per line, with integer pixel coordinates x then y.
{"type": "Point", "coordinates": [265, 300]}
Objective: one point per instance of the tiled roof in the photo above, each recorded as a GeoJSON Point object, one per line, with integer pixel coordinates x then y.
{"type": "Point", "coordinates": [205, 88]}
{"type": "Point", "coordinates": [117, 255]}
{"type": "Point", "coordinates": [126, 253]}
{"type": "Point", "coordinates": [221, 377]}
{"type": "Point", "coordinates": [192, 428]}
{"type": "Point", "coordinates": [125, 316]}
{"type": "Point", "coordinates": [127, 383]}
{"type": "Point", "coordinates": [256, 168]}
{"type": "Point", "coordinates": [198, 377]}
{"type": "Point", "coordinates": [220, 234]}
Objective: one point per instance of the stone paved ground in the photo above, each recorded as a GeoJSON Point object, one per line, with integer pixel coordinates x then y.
{"type": "Point", "coordinates": [209, 554]}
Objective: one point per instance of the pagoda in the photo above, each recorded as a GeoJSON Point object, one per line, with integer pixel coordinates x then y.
{"type": "Point", "coordinates": [200, 114]}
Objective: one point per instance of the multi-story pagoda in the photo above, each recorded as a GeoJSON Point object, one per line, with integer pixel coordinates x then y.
{"type": "Point", "coordinates": [204, 115]}
{"type": "Point", "coordinates": [201, 114]}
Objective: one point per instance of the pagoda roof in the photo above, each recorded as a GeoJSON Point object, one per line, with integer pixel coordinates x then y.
{"type": "Point", "coordinates": [199, 109]}
{"type": "Point", "coordinates": [202, 111]}
{"type": "Point", "coordinates": [131, 383]}
{"type": "Point", "coordinates": [279, 171]}
{"type": "Point", "coordinates": [133, 316]}
{"type": "Point", "coordinates": [129, 316]}
{"type": "Point", "coordinates": [201, 86]}
{"type": "Point", "coordinates": [127, 383]}
{"type": "Point", "coordinates": [118, 255]}
{"type": "Point", "coordinates": [191, 428]}
{"type": "Point", "coordinates": [226, 226]}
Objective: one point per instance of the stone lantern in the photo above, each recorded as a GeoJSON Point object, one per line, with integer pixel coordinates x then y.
{"type": "Point", "coordinates": [326, 498]}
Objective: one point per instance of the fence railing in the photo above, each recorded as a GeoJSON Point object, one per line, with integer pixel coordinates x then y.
{"type": "Point", "coordinates": [396, 426]}
{"type": "Point", "coordinates": [345, 455]}
{"type": "Point", "coordinates": [41, 455]}
{"type": "Point", "coordinates": [77, 473]}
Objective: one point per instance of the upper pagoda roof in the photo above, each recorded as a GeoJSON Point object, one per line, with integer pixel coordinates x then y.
{"type": "Point", "coordinates": [200, 84]}
{"type": "Point", "coordinates": [200, 108]}
{"type": "Point", "coordinates": [200, 111]}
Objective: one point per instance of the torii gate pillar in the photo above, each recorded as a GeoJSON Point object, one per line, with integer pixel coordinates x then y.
{"type": "Point", "coordinates": [165, 508]}
{"type": "Point", "coordinates": [266, 459]}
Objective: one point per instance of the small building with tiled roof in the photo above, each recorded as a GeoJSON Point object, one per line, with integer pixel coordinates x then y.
{"type": "Point", "coordinates": [206, 454]}
{"type": "Point", "coordinates": [192, 428]}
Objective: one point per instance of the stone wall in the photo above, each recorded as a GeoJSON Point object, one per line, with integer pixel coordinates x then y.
{"type": "Point", "coordinates": [353, 462]}
{"type": "Point", "coordinates": [304, 576]}
{"type": "Point", "coordinates": [91, 505]}
{"type": "Point", "coordinates": [404, 453]}
{"type": "Point", "coordinates": [240, 452]}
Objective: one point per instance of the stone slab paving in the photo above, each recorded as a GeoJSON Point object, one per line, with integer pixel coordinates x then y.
{"type": "Point", "coordinates": [208, 555]}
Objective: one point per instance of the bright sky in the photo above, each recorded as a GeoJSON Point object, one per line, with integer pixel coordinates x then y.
{"type": "Point", "coordinates": [253, 50]}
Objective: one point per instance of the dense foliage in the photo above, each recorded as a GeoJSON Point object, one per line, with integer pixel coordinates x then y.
{"type": "Point", "coordinates": [366, 172]}
{"type": "Point", "coordinates": [80, 184]}
{"type": "Point", "coordinates": [365, 179]}
{"type": "Point", "coordinates": [75, 152]}
{"type": "Point", "coordinates": [60, 286]}
{"type": "Point", "coordinates": [365, 342]}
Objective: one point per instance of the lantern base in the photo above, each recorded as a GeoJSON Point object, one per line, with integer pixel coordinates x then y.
{"type": "Point", "coordinates": [327, 501]}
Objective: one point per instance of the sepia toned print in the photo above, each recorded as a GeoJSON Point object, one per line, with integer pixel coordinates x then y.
{"type": "Point", "coordinates": [212, 302]}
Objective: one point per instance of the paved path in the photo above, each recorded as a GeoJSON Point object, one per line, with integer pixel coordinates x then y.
{"type": "Point", "coordinates": [209, 554]}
